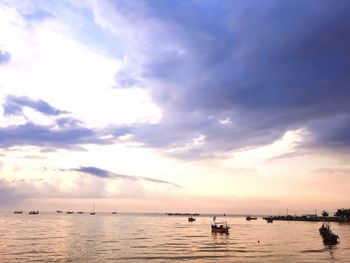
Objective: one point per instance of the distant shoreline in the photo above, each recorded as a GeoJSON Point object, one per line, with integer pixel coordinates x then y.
{"type": "Point", "coordinates": [312, 218]}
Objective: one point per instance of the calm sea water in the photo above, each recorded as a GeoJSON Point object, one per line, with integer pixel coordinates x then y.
{"type": "Point", "coordinates": [50, 237]}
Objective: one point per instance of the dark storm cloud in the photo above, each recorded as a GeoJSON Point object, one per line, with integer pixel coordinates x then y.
{"type": "Point", "coordinates": [66, 132]}
{"type": "Point", "coordinates": [47, 136]}
{"type": "Point", "coordinates": [14, 106]}
{"type": "Point", "coordinates": [269, 66]}
{"type": "Point", "coordinates": [94, 171]}
{"type": "Point", "coordinates": [4, 57]}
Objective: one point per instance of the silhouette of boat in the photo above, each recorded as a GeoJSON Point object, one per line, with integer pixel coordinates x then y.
{"type": "Point", "coordinates": [70, 212]}
{"type": "Point", "coordinates": [248, 218]}
{"type": "Point", "coordinates": [191, 219]}
{"type": "Point", "coordinates": [80, 212]}
{"type": "Point", "coordinates": [114, 213]}
{"type": "Point", "coordinates": [58, 211]}
{"type": "Point", "coordinates": [93, 211]}
{"type": "Point", "coordinates": [328, 236]}
{"type": "Point", "coordinates": [33, 212]}
{"type": "Point", "coordinates": [219, 226]}
{"type": "Point", "coordinates": [18, 212]}
{"type": "Point", "coordinates": [268, 219]}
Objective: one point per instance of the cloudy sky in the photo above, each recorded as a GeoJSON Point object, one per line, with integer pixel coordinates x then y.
{"type": "Point", "coordinates": [190, 106]}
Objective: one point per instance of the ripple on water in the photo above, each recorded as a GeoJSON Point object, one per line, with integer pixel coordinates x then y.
{"type": "Point", "coordinates": [52, 238]}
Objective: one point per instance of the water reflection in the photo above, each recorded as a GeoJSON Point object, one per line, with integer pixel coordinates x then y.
{"type": "Point", "coordinates": [135, 238]}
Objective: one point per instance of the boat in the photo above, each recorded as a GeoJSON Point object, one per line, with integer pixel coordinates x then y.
{"type": "Point", "coordinates": [328, 236]}
{"type": "Point", "coordinates": [219, 226]}
{"type": "Point", "coordinates": [33, 212]}
{"type": "Point", "coordinates": [70, 212]}
{"type": "Point", "coordinates": [114, 213]}
{"type": "Point", "coordinates": [268, 219]}
{"type": "Point", "coordinates": [248, 218]}
{"type": "Point", "coordinates": [80, 212]}
{"type": "Point", "coordinates": [59, 211]}
{"type": "Point", "coordinates": [18, 212]}
{"type": "Point", "coordinates": [93, 211]}
{"type": "Point", "coordinates": [191, 219]}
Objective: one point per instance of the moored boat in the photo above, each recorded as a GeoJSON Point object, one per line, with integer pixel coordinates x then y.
{"type": "Point", "coordinates": [33, 212]}
{"type": "Point", "coordinates": [191, 219]}
{"type": "Point", "coordinates": [268, 219]}
{"type": "Point", "coordinates": [248, 218]}
{"type": "Point", "coordinates": [219, 226]}
{"type": "Point", "coordinates": [80, 212]}
{"type": "Point", "coordinates": [328, 236]}
{"type": "Point", "coordinates": [93, 210]}
{"type": "Point", "coordinates": [18, 212]}
{"type": "Point", "coordinates": [59, 211]}
{"type": "Point", "coordinates": [70, 212]}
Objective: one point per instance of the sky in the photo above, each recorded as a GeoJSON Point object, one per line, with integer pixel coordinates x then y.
{"type": "Point", "coordinates": [207, 106]}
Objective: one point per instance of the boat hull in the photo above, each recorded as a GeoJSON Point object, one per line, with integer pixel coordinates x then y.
{"type": "Point", "coordinates": [221, 230]}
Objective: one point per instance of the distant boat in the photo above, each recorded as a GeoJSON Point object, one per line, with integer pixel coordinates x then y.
{"type": "Point", "coordinates": [219, 226]}
{"type": "Point", "coordinates": [114, 213]}
{"type": "Point", "coordinates": [80, 212]}
{"type": "Point", "coordinates": [58, 211]}
{"type": "Point", "coordinates": [33, 212]}
{"type": "Point", "coordinates": [328, 236]}
{"type": "Point", "coordinates": [93, 211]}
{"type": "Point", "coordinates": [191, 219]}
{"type": "Point", "coordinates": [248, 218]}
{"type": "Point", "coordinates": [18, 212]}
{"type": "Point", "coordinates": [70, 212]}
{"type": "Point", "coordinates": [268, 219]}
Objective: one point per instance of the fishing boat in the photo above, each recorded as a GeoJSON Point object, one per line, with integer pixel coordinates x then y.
{"type": "Point", "coordinates": [191, 219]}
{"type": "Point", "coordinates": [18, 212]}
{"type": "Point", "coordinates": [80, 212]}
{"type": "Point", "coordinates": [33, 212]}
{"type": "Point", "coordinates": [219, 226]}
{"type": "Point", "coordinates": [93, 211]}
{"type": "Point", "coordinates": [328, 236]}
{"type": "Point", "coordinates": [268, 219]}
{"type": "Point", "coordinates": [248, 218]}
{"type": "Point", "coordinates": [69, 212]}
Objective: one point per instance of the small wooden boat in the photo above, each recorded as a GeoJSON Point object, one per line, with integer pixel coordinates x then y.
{"type": "Point", "coordinates": [69, 212]}
{"type": "Point", "coordinates": [191, 219]}
{"type": "Point", "coordinates": [328, 236]}
{"type": "Point", "coordinates": [248, 218]}
{"type": "Point", "coordinates": [268, 219]}
{"type": "Point", "coordinates": [33, 212]}
{"type": "Point", "coordinates": [80, 212]}
{"type": "Point", "coordinates": [219, 226]}
{"type": "Point", "coordinates": [18, 212]}
{"type": "Point", "coordinates": [93, 211]}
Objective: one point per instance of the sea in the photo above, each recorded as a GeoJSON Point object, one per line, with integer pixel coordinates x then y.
{"type": "Point", "coordinates": [106, 237]}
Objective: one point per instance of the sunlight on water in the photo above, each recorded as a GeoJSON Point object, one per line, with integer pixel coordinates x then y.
{"type": "Point", "coordinates": [50, 237]}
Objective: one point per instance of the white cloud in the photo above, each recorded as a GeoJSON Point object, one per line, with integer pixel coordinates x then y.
{"type": "Point", "coordinates": [48, 64]}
